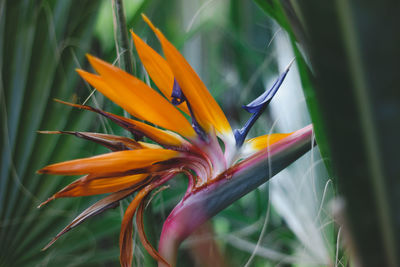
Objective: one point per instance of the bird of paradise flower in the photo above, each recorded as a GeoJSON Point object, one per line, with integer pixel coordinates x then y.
{"type": "Point", "coordinates": [217, 175]}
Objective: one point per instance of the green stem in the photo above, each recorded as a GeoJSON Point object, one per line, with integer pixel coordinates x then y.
{"type": "Point", "coordinates": [122, 45]}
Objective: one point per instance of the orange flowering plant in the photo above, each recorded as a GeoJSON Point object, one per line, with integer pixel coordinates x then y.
{"type": "Point", "coordinates": [187, 128]}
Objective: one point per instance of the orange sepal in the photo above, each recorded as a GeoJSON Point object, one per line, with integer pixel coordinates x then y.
{"type": "Point", "coordinates": [111, 162]}
{"type": "Point", "coordinates": [206, 110]}
{"type": "Point", "coordinates": [157, 68]}
{"type": "Point", "coordinates": [86, 186]}
{"type": "Point", "coordinates": [136, 97]}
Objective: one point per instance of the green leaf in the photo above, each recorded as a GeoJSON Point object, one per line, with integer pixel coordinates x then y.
{"type": "Point", "coordinates": [353, 48]}
{"type": "Point", "coordinates": [40, 45]}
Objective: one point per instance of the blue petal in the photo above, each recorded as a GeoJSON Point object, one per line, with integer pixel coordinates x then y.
{"type": "Point", "coordinates": [178, 98]}
{"type": "Point", "coordinates": [257, 106]}
{"type": "Point", "coordinates": [177, 95]}
{"type": "Point", "coordinates": [264, 99]}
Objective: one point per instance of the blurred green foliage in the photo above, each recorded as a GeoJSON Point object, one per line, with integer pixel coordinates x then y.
{"type": "Point", "coordinates": [353, 48]}
{"type": "Point", "coordinates": [230, 44]}
{"type": "Point", "coordinates": [42, 42]}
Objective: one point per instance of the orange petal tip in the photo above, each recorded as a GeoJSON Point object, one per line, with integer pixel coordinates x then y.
{"type": "Point", "coordinates": [134, 35]}
{"type": "Point", "coordinates": [85, 75]}
{"type": "Point", "coordinates": [147, 20]}
{"type": "Point", "coordinates": [92, 59]}
{"type": "Point", "coordinates": [88, 55]}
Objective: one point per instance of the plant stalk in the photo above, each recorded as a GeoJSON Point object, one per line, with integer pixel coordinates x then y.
{"type": "Point", "coordinates": [122, 44]}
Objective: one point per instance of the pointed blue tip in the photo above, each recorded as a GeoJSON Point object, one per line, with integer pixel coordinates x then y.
{"type": "Point", "coordinates": [177, 95]}
{"type": "Point", "coordinates": [266, 97]}
{"type": "Point", "coordinates": [257, 106]}
{"type": "Point", "coordinates": [178, 98]}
